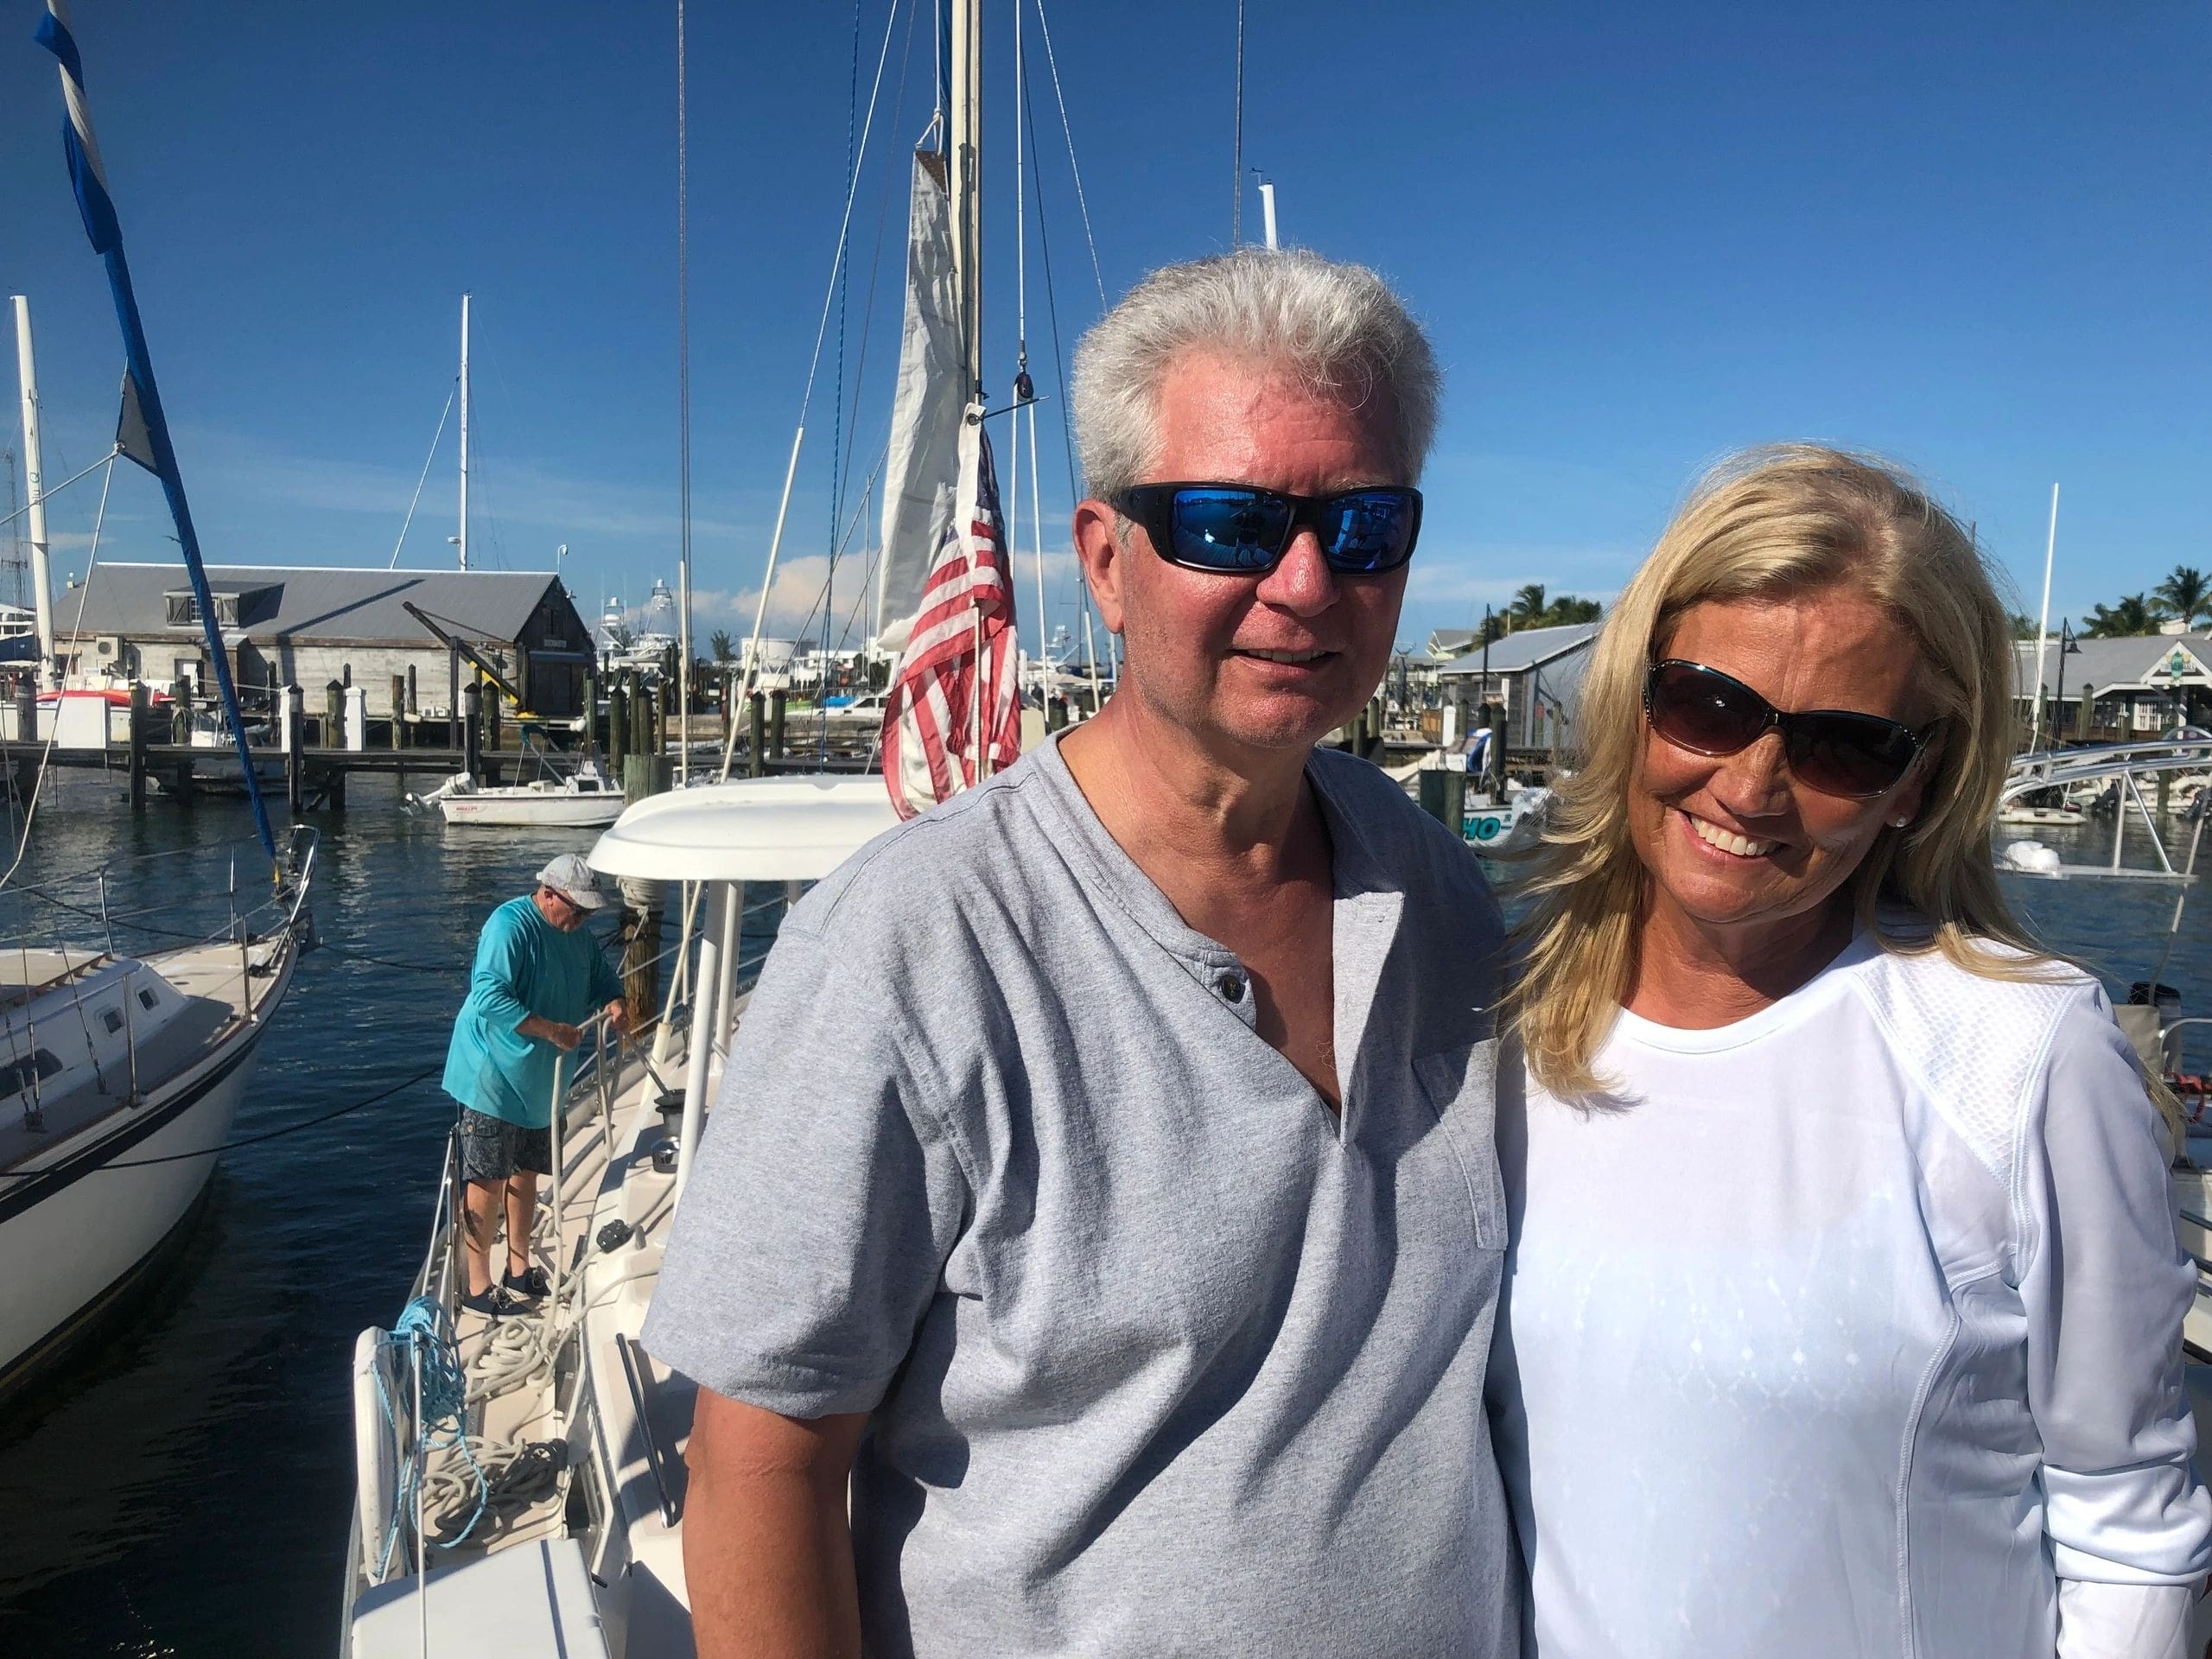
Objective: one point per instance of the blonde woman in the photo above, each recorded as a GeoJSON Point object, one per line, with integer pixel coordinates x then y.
{"type": "Point", "coordinates": [1845, 1303]}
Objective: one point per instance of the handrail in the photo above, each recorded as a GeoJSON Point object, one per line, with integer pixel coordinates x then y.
{"type": "Point", "coordinates": [2048, 768]}
{"type": "Point", "coordinates": [286, 904]}
{"type": "Point", "coordinates": [669, 1512]}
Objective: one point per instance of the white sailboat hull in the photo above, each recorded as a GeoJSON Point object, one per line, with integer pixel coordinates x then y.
{"type": "Point", "coordinates": [542, 808]}
{"type": "Point", "coordinates": [74, 1233]}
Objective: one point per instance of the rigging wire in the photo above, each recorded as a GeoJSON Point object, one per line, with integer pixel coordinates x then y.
{"type": "Point", "coordinates": [425, 478]}
{"type": "Point", "coordinates": [814, 364]}
{"type": "Point", "coordinates": [837, 410]}
{"type": "Point", "coordinates": [845, 221]}
{"type": "Point", "coordinates": [381, 1094]}
{"type": "Point", "coordinates": [1059, 361]}
{"type": "Point", "coordinates": [890, 176]}
{"type": "Point", "coordinates": [1236, 144]}
{"type": "Point", "coordinates": [1053, 63]}
{"type": "Point", "coordinates": [76, 634]}
{"type": "Point", "coordinates": [45, 495]}
{"type": "Point", "coordinates": [1025, 390]}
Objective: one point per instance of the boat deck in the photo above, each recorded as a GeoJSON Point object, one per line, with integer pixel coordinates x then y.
{"type": "Point", "coordinates": [214, 980]}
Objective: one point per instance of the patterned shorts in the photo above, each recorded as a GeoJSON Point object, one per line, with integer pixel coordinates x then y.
{"type": "Point", "coordinates": [491, 1148]}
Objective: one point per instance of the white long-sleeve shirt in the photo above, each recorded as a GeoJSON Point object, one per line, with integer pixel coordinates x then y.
{"type": "Point", "coordinates": [1853, 1328]}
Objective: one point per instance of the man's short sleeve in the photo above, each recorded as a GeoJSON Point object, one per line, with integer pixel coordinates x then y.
{"type": "Point", "coordinates": [822, 1203]}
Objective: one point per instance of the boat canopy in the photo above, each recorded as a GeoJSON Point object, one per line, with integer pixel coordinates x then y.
{"type": "Point", "coordinates": [789, 829]}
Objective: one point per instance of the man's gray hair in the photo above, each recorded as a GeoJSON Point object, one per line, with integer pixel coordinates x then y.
{"type": "Point", "coordinates": [1337, 329]}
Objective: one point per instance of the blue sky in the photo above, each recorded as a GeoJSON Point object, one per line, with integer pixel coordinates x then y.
{"type": "Point", "coordinates": [1976, 237]}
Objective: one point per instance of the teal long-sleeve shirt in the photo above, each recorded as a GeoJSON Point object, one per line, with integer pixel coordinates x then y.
{"type": "Point", "coordinates": [524, 966]}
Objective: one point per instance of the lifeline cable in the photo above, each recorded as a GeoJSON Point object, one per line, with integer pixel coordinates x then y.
{"type": "Point", "coordinates": [423, 1076]}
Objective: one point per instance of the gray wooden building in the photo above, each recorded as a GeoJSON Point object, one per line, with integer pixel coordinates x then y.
{"type": "Point", "coordinates": [1535, 674]}
{"type": "Point", "coordinates": [308, 626]}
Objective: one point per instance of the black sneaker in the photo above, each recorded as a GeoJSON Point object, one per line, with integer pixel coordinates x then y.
{"type": "Point", "coordinates": [488, 1302]}
{"type": "Point", "coordinates": [530, 1285]}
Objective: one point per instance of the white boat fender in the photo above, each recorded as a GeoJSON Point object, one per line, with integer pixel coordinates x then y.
{"type": "Point", "coordinates": [2028, 858]}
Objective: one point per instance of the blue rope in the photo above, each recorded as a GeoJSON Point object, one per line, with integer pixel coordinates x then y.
{"type": "Point", "coordinates": [443, 1421]}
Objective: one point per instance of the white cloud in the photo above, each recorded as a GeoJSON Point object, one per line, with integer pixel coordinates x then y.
{"type": "Point", "coordinates": [507, 492]}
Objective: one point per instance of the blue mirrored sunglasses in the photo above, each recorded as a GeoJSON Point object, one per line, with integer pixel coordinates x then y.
{"type": "Point", "coordinates": [1240, 530]}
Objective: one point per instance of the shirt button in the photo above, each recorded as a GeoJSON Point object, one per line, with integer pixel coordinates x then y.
{"type": "Point", "coordinates": [1231, 985]}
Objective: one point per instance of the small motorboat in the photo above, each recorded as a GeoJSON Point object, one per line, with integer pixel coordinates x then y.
{"type": "Point", "coordinates": [583, 799]}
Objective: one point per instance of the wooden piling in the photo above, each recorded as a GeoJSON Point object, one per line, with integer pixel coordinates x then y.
{"type": "Point", "coordinates": [618, 735]}
{"type": "Point", "coordinates": [334, 715]}
{"type": "Point", "coordinates": [756, 760]}
{"type": "Point", "coordinates": [295, 740]}
{"type": "Point", "coordinates": [398, 708]}
{"type": "Point", "coordinates": [472, 730]}
{"type": "Point", "coordinates": [776, 701]}
{"type": "Point", "coordinates": [641, 959]}
{"type": "Point", "coordinates": [187, 787]}
{"type": "Point", "coordinates": [641, 715]}
{"type": "Point", "coordinates": [140, 714]}
{"type": "Point", "coordinates": [591, 714]}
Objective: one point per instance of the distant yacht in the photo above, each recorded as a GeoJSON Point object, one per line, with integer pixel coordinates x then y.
{"type": "Point", "coordinates": [638, 638]}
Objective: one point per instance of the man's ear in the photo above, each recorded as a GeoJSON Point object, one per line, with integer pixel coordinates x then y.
{"type": "Point", "coordinates": [1099, 545]}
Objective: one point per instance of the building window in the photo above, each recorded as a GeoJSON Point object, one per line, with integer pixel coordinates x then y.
{"type": "Point", "coordinates": [184, 609]}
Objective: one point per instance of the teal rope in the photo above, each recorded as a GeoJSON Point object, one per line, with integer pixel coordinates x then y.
{"type": "Point", "coordinates": [443, 1421]}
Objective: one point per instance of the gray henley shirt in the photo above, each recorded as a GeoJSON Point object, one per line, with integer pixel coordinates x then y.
{"type": "Point", "coordinates": [1163, 1356]}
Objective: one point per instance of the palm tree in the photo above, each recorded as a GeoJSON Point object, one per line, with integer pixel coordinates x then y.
{"type": "Point", "coordinates": [722, 644]}
{"type": "Point", "coordinates": [1527, 610]}
{"type": "Point", "coordinates": [2186, 593]}
{"type": "Point", "coordinates": [1566, 610]}
{"type": "Point", "coordinates": [2133, 615]}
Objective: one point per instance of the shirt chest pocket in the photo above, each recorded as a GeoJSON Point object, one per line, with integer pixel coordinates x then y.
{"type": "Point", "coordinates": [1461, 1087]}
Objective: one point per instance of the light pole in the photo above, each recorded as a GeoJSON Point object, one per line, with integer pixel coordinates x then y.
{"type": "Point", "coordinates": [2058, 706]}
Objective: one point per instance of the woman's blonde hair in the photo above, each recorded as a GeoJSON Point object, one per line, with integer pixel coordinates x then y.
{"type": "Point", "coordinates": [1768, 524]}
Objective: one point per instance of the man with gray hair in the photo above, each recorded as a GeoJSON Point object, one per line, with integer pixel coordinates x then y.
{"type": "Point", "coordinates": [1095, 1247]}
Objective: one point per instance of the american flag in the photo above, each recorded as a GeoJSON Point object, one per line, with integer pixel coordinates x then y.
{"type": "Point", "coordinates": [953, 716]}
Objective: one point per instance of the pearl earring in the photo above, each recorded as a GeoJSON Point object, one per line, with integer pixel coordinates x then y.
{"type": "Point", "coordinates": [1899, 823]}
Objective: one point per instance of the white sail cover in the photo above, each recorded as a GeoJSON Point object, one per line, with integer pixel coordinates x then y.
{"type": "Point", "coordinates": [922, 470]}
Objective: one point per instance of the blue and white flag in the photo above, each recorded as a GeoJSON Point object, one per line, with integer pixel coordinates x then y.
{"type": "Point", "coordinates": [143, 433]}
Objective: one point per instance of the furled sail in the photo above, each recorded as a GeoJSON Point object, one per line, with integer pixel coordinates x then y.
{"type": "Point", "coordinates": [923, 468]}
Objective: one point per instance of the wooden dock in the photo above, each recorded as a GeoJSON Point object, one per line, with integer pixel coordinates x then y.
{"type": "Point", "coordinates": [637, 751]}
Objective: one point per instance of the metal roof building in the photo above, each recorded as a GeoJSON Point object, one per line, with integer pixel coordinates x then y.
{"type": "Point", "coordinates": [309, 624]}
{"type": "Point", "coordinates": [2136, 683]}
{"type": "Point", "coordinates": [1536, 673]}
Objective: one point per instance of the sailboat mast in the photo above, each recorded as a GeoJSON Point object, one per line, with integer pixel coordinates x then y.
{"type": "Point", "coordinates": [683, 419]}
{"type": "Point", "coordinates": [2043, 625]}
{"type": "Point", "coordinates": [34, 482]}
{"type": "Point", "coordinates": [464, 432]}
{"type": "Point", "coordinates": [964, 150]}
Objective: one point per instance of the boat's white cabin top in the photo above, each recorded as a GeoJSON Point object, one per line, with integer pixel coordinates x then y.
{"type": "Point", "coordinates": [788, 829]}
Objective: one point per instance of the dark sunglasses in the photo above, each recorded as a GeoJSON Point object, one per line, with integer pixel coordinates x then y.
{"type": "Point", "coordinates": [1833, 750]}
{"type": "Point", "coordinates": [1245, 531]}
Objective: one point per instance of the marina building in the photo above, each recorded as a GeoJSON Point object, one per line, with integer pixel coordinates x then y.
{"type": "Point", "coordinates": [2115, 690]}
{"type": "Point", "coordinates": [1535, 675]}
{"type": "Point", "coordinates": [308, 625]}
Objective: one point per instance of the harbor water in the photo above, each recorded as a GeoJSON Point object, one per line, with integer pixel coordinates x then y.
{"type": "Point", "coordinates": [183, 1484]}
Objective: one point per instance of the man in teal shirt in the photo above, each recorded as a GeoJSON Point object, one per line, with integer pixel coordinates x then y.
{"type": "Point", "coordinates": [538, 977]}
